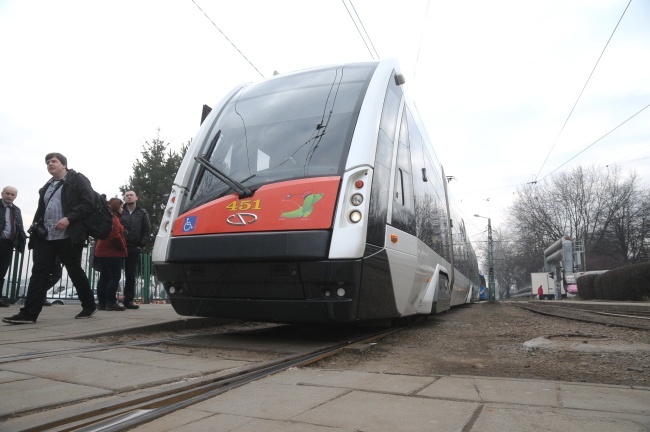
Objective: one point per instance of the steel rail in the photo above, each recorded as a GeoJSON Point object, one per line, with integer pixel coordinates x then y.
{"type": "Point", "coordinates": [9, 358]}
{"type": "Point", "coordinates": [90, 348]}
{"type": "Point", "coordinates": [553, 311]}
{"type": "Point", "coordinates": [615, 315]}
{"type": "Point", "coordinates": [141, 410]}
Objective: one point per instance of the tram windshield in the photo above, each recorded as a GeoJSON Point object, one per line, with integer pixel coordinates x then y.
{"type": "Point", "coordinates": [290, 127]}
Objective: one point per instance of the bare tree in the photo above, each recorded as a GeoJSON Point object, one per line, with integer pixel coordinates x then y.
{"type": "Point", "coordinates": [629, 232]}
{"type": "Point", "coordinates": [505, 268]}
{"type": "Point", "coordinates": [600, 207]}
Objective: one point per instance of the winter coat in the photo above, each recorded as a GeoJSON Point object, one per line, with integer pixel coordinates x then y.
{"type": "Point", "coordinates": [115, 245]}
{"type": "Point", "coordinates": [20, 238]}
{"type": "Point", "coordinates": [137, 228]}
{"type": "Point", "coordinates": [77, 201]}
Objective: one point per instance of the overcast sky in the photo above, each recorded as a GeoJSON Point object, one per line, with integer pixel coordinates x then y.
{"type": "Point", "coordinates": [494, 81]}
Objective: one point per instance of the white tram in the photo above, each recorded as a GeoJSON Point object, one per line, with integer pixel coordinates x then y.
{"type": "Point", "coordinates": [314, 196]}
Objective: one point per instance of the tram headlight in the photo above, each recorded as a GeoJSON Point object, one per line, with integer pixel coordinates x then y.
{"type": "Point", "coordinates": [356, 199]}
{"type": "Point", "coordinates": [355, 216]}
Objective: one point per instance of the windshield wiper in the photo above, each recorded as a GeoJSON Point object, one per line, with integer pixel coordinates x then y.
{"type": "Point", "coordinates": [241, 190]}
{"type": "Point", "coordinates": [199, 175]}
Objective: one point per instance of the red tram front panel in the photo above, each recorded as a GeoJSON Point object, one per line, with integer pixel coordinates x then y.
{"type": "Point", "coordinates": [304, 204]}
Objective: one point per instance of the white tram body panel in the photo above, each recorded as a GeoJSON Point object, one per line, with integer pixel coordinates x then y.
{"type": "Point", "coordinates": [314, 196]}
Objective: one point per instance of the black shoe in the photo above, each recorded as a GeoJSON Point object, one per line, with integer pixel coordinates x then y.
{"type": "Point", "coordinates": [101, 306]}
{"type": "Point", "coordinates": [131, 306]}
{"type": "Point", "coordinates": [19, 318]}
{"type": "Point", "coordinates": [115, 307]}
{"type": "Point", "coordinates": [86, 313]}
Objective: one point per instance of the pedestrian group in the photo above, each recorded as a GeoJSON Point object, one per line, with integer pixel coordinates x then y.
{"type": "Point", "coordinates": [57, 238]}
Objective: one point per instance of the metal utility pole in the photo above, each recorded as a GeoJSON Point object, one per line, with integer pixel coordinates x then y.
{"type": "Point", "coordinates": [490, 260]}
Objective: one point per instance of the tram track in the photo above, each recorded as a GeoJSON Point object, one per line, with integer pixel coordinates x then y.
{"type": "Point", "coordinates": [96, 344]}
{"type": "Point", "coordinates": [604, 314]}
{"type": "Point", "coordinates": [137, 409]}
{"type": "Point", "coordinates": [33, 355]}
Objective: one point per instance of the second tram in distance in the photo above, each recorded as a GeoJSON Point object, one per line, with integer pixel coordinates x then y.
{"type": "Point", "coordinates": [314, 196]}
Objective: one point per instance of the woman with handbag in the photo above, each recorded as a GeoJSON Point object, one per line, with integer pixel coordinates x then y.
{"type": "Point", "coordinates": [109, 254]}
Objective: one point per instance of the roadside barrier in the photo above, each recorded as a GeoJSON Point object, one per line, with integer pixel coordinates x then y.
{"type": "Point", "coordinates": [147, 287]}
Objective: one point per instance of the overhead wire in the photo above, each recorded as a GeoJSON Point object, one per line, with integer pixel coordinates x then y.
{"type": "Point", "coordinates": [628, 161]}
{"type": "Point", "coordinates": [582, 91]}
{"type": "Point", "coordinates": [593, 143]}
{"type": "Point", "coordinates": [616, 162]}
{"type": "Point", "coordinates": [228, 39]}
{"type": "Point", "coordinates": [374, 55]}
{"type": "Point", "coordinates": [424, 23]}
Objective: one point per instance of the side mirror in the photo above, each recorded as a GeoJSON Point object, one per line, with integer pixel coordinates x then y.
{"type": "Point", "coordinates": [205, 112]}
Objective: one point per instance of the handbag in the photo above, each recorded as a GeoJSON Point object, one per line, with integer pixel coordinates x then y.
{"type": "Point", "coordinates": [37, 229]}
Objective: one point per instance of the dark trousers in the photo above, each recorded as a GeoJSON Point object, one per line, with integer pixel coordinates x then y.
{"type": "Point", "coordinates": [55, 276]}
{"type": "Point", "coordinates": [131, 263]}
{"type": "Point", "coordinates": [6, 252]}
{"type": "Point", "coordinates": [110, 273]}
{"type": "Point", "coordinates": [45, 259]}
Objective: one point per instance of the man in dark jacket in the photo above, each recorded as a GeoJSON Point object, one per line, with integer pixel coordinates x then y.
{"type": "Point", "coordinates": [58, 230]}
{"type": "Point", "coordinates": [12, 236]}
{"type": "Point", "coordinates": [137, 230]}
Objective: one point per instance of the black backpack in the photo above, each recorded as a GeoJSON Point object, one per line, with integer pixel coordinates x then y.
{"type": "Point", "coordinates": [99, 223]}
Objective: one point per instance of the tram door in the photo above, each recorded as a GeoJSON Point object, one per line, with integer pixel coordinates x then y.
{"type": "Point", "coordinates": [409, 277]}
{"type": "Point", "coordinates": [391, 219]}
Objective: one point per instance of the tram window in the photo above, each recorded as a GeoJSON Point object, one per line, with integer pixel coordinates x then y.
{"type": "Point", "coordinates": [399, 187]}
{"type": "Point", "coordinates": [428, 191]}
{"type": "Point", "coordinates": [263, 160]}
{"type": "Point", "coordinates": [287, 128]}
{"type": "Point", "coordinates": [227, 160]}
{"type": "Point", "coordinates": [403, 216]}
{"type": "Point", "coordinates": [380, 194]}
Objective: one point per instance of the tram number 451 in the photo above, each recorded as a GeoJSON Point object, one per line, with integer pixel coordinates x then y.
{"type": "Point", "coordinates": [244, 205]}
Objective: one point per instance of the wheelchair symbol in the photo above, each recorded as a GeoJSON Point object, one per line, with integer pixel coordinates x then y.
{"type": "Point", "coordinates": [189, 224]}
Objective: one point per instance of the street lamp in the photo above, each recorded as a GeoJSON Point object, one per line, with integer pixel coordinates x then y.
{"type": "Point", "coordinates": [490, 263]}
